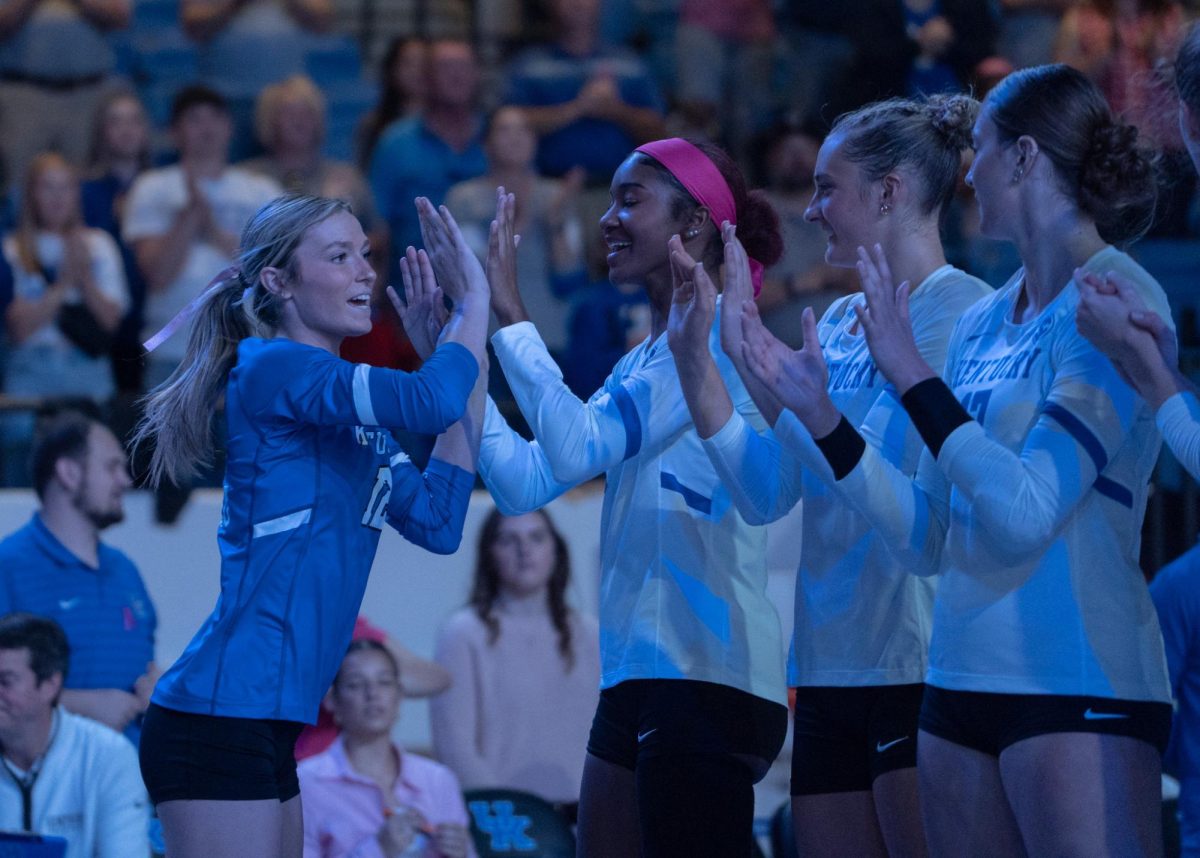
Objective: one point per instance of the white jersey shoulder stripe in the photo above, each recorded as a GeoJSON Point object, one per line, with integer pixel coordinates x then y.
{"type": "Point", "coordinates": [362, 395]}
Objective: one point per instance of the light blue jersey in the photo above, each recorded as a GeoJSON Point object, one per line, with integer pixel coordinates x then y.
{"type": "Point", "coordinates": [312, 475]}
{"type": "Point", "coordinates": [1032, 511]}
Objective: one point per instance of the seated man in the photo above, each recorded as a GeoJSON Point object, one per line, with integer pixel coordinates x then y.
{"type": "Point", "coordinates": [63, 775]}
{"type": "Point", "coordinates": [366, 796]}
{"type": "Point", "coordinates": [57, 567]}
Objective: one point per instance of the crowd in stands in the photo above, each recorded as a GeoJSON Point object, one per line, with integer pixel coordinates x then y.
{"type": "Point", "coordinates": [130, 166]}
{"type": "Point", "coordinates": [137, 138]}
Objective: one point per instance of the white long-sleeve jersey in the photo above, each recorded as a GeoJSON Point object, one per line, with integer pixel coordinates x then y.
{"type": "Point", "coordinates": [860, 618]}
{"type": "Point", "coordinates": [1032, 511]}
{"type": "Point", "coordinates": [683, 576]}
{"type": "Point", "coordinates": [1179, 421]}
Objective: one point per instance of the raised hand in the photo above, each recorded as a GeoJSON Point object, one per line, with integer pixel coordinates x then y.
{"type": "Point", "coordinates": [502, 262]}
{"type": "Point", "coordinates": [885, 322]}
{"type": "Point", "coordinates": [798, 379]}
{"type": "Point", "coordinates": [1113, 317]}
{"type": "Point", "coordinates": [423, 310]}
{"type": "Point", "coordinates": [693, 304]}
{"type": "Point", "coordinates": [738, 291]}
{"type": "Point", "coordinates": [455, 266]}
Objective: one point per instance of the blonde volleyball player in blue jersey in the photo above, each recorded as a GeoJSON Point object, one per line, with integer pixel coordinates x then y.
{"type": "Point", "coordinates": [1117, 321]}
{"type": "Point", "coordinates": [861, 635]}
{"type": "Point", "coordinates": [692, 707]}
{"type": "Point", "coordinates": [312, 475]}
{"type": "Point", "coordinates": [1047, 704]}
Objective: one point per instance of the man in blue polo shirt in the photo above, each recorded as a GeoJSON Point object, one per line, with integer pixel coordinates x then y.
{"type": "Point", "coordinates": [56, 567]}
{"type": "Point", "coordinates": [424, 156]}
{"type": "Point", "coordinates": [591, 104]}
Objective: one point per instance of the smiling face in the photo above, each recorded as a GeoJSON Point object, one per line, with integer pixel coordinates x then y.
{"type": "Point", "coordinates": [365, 698]}
{"type": "Point", "coordinates": [639, 222]}
{"type": "Point", "coordinates": [842, 205]}
{"type": "Point", "coordinates": [524, 553]}
{"type": "Point", "coordinates": [327, 292]}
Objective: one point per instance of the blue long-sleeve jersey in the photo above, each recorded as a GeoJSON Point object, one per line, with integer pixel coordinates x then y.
{"type": "Point", "coordinates": [312, 474]}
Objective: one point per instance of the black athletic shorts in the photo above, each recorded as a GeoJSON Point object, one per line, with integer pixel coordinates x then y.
{"type": "Point", "coordinates": [990, 722]}
{"type": "Point", "coordinates": [650, 717]}
{"type": "Point", "coordinates": [846, 736]}
{"type": "Point", "coordinates": [211, 757]}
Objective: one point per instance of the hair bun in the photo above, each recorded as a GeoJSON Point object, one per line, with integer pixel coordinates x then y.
{"type": "Point", "coordinates": [953, 117]}
{"type": "Point", "coordinates": [1117, 180]}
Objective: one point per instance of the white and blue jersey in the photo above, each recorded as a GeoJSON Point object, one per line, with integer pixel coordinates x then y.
{"type": "Point", "coordinates": [312, 475]}
{"type": "Point", "coordinates": [860, 618]}
{"type": "Point", "coordinates": [1179, 421]}
{"type": "Point", "coordinates": [1032, 511]}
{"type": "Point", "coordinates": [683, 575]}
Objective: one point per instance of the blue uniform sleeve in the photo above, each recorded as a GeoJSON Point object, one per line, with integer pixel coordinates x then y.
{"type": "Point", "coordinates": [428, 509]}
{"type": "Point", "coordinates": [328, 391]}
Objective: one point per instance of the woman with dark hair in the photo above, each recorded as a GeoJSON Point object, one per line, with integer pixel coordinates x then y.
{"type": "Point", "coordinates": [402, 81]}
{"type": "Point", "coordinates": [1047, 704]}
{"type": "Point", "coordinates": [525, 666]}
{"type": "Point", "coordinates": [860, 642]}
{"type": "Point", "coordinates": [692, 707]}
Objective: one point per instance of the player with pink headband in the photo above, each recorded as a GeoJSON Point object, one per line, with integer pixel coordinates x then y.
{"type": "Point", "coordinates": [693, 704]}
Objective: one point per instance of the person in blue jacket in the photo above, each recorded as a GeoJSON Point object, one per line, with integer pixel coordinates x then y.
{"type": "Point", "coordinates": [313, 473]}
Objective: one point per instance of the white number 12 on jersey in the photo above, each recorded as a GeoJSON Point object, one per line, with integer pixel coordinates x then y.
{"type": "Point", "coordinates": [381, 492]}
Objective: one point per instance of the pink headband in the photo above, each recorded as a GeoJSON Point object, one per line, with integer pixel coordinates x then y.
{"type": "Point", "coordinates": [700, 176]}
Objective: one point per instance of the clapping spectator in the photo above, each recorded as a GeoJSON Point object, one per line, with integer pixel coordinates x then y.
{"type": "Point", "coordinates": [525, 667]}
{"type": "Point", "coordinates": [69, 296]}
{"type": "Point", "coordinates": [184, 220]}
{"type": "Point", "coordinates": [589, 104]}
{"type": "Point", "coordinates": [550, 266]}
{"type": "Point", "coordinates": [368, 796]}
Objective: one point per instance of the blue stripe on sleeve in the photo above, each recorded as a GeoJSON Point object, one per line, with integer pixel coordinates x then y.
{"type": "Point", "coordinates": [1114, 491]}
{"type": "Point", "coordinates": [1081, 433]}
{"type": "Point", "coordinates": [692, 498]}
{"type": "Point", "coordinates": [633, 423]}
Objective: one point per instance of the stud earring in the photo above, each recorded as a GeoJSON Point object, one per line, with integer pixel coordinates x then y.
{"type": "Point", "coordinates": [692, 233]}
{"type": "Point", "coordinates": [884, 208]}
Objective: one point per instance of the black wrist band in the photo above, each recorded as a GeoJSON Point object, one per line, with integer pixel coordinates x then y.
{"type": "Point", "coordinates": [842, 448]}
{"type": "Point", "coordinates": [935, 411]}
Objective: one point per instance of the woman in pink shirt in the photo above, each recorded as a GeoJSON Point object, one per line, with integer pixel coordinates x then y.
{"type": "Point", "coordinates": [366, 796]}
{"type": "Point", "coordinates": [525, 667]}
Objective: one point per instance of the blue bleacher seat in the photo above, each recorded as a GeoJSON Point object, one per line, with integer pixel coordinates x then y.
{"type": "Point", "coordinates": [332, 59]}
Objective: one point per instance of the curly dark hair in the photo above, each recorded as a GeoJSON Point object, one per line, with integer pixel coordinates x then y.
{"type": "Point", "coordinates": [486, 588]}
